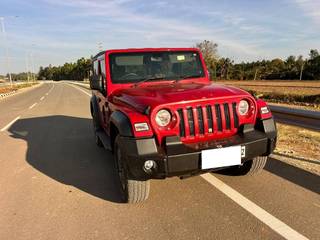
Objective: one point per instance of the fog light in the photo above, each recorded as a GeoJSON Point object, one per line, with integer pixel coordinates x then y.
{"type": "Point", "coordinates": [149, 164]}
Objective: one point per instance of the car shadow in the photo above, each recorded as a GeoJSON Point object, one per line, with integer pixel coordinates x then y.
{"type": "Point", "coordinates": [286, 171]}
{"type": "Point", "coordinates": [294, 174]}
{"type": "Point", "coordinates": [297, 158]}
{"type": "Point", "coordinates": [63, 148]}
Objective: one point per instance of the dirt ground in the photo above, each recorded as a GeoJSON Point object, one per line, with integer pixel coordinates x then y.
{"type": "Point", "coordinates": [298, 146]}
{"type": "Point", "coordinates": [7, 89]}
{"type": "Point", "coordinates": [305, 94]}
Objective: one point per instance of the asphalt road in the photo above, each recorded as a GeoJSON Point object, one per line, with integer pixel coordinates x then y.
{"type": "Point", "coordinates": [55, 183]}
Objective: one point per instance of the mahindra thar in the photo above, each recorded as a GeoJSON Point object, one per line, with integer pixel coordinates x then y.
{"type": "Point", "coordinates": [161, 116]}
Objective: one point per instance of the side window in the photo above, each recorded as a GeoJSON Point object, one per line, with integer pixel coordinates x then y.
{"type": "Point", "coordinates": [99, 74]}
{"type": "Point", "coordinates": [102, 75]}
{"type": "Point", "coordinates": [95, 68]}
{"type": "Point", "coordinates": [103, 68]}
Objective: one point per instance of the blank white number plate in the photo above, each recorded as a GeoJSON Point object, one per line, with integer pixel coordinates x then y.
{"type": "Point", "coordinates": [221, 157]}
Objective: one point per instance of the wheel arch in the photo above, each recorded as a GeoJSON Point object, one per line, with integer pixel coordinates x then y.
{"type": "Point", "coordinates": [122, 124]}
{"type": "Point", "coordinates": [94, 105]}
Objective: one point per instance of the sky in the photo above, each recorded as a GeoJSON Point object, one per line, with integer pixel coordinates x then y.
{"type": "Point", "coordinates": [59, 31]}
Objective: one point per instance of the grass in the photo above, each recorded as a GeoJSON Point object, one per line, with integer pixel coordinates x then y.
{"type": "Point", "coordinates": [300, 145]}
{"type": "Point", "coordinates": [7, 89]}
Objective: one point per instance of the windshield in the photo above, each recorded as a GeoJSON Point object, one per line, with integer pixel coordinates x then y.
{"type": "Point", "coordinates": [151, 66]}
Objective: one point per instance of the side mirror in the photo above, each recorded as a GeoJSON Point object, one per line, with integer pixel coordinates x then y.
{"type": "Point", "coordinates": [94, 82]}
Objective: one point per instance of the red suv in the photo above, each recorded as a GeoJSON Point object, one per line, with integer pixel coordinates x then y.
{"type": "Point", "coordinates": [158, 112]}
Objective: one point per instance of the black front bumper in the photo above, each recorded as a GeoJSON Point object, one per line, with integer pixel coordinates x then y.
{"type": "Point", "coordinates": [178, 159]}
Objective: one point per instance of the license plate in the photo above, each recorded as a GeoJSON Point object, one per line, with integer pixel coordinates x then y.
{"type": "Point", "coordinates": [221, 157]}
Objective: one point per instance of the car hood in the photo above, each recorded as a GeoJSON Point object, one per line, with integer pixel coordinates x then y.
{"type": "Point", "coordinates": [150, 96]}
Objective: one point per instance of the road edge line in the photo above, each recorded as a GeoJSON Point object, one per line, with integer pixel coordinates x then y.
{"type": "Point", "coordinates": [9, 124]}
{"type": "Point", "coordinates": [271, 221]}
{"type": "Point", "coordinates": [79, 89]}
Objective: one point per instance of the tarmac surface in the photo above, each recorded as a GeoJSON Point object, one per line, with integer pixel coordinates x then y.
{"type": "Point", "coordinates": [55, 183]}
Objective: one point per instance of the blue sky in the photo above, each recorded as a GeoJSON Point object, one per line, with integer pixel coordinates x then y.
{"type": "Point", "coordinates": [56, 31]}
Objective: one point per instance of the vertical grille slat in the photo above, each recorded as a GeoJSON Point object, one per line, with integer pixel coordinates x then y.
{"type": "Point", "coordinates": [191, 121]}
{"type": "Point", "coordinates": [218, 117]}
{"type": "Point", "coordinates": [235, 115]}
{"type": "Point", "coordinates": [181, 125]}
{"type": "Point", "coordinates": [200, 120]}
{"type": "Point", "coordinates": [227, 115]}
{"type": "Point", "coordinates": [209, 118]}
{"type": "Point", "coordinates": [197, 121]}
{"type": "Point", "coordinates": [231, 115]}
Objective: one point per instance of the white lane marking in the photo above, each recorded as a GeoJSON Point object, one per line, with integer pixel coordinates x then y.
{"type": "Point", "coordinates": [33, 105]}
{"type": "Point", "coordinates": [41, 98]}
{"type": "Point", "coordinates": [51, 89]}
{"type": "Point", "coordinates": [274, 223]}
{"type": "Point", "coordinates": [9, 124]}
{"type": "Point", "coordinates": [80, 90]}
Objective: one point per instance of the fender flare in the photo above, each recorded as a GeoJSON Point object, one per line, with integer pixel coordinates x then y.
{"type": "Point", "coordinates": [122, 123]}
{"type": "Point", "coordinates": [94, 109]}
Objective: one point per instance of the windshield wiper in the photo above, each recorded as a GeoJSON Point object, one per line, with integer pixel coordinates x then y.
{"type": "Point", "coordinates": [188, 76]}
{"type": "Point", "coordinates": [149, 79]}
{"type": "Point", "coordinates": [191, 76]}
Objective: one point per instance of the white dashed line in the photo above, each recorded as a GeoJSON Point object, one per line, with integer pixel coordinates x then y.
{"type": "Point", "coordinates": [274, 223]}
{"type": "Point", "coordinates": [51, 88]}
{"type": "Point", "coordinates": [9, 124]}
{"type": "Point", "coordinates": [33, 105]}
{"type": "Point", "coordinates": [41, 98]}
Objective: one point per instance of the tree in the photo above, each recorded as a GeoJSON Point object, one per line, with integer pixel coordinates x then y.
{"type": "Point", "coordinates": [68, 71]}
{"type": "Point", "coordinates": [312, 70]}
{"type": "Point", "coordinates": [209, 52]}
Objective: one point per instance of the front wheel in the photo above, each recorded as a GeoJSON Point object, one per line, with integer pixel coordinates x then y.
{"type": "Point", "coordinates": [95, 134]}
{"type": "Point", "coordinates": [252, 167]}
{"type": "Point", "coordinates": [133, 191]}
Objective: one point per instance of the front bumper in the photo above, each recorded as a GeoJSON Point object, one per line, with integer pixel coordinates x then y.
{"type": "Point", "coordinates": [178, 159]}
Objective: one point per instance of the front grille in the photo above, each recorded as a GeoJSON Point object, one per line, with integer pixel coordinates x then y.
{"type": "Point", "coordinates": [208, 119]}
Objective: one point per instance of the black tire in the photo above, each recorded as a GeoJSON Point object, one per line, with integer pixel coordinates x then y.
{"type": "Point", "coordinates": [133, 191]}
{"type": "Point", "coordinates": [252, 167]}
{"type": "Point", "coordinates": [96, 128]}
{"type": "Point", "coordinates": [97, 139]}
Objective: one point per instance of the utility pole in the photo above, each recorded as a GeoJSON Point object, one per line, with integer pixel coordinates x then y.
{"type": "Point", "coordinates": [100, 46]}
{"type": "Point", "coordinates": [33, 74]}
{"type": "Point", "coordinates": [27, 66]}
{"type": "Point", "coordinates": [301, 70]}
{"type": "Point", "coordinates": [6, 47]}
{"type": "Point", "coordinates": [32, 66]}
{"type": "Point", "coordinates": [255, 75]}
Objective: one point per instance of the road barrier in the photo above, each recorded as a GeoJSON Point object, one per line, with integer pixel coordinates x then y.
{"type": "Point", "coordinates": [299, 117]}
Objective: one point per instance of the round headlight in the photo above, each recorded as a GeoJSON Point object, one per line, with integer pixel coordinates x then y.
{"type": "Point", "coordinates": [163, 118]}
{"type": "Point", "coordinates": [243, 107]}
